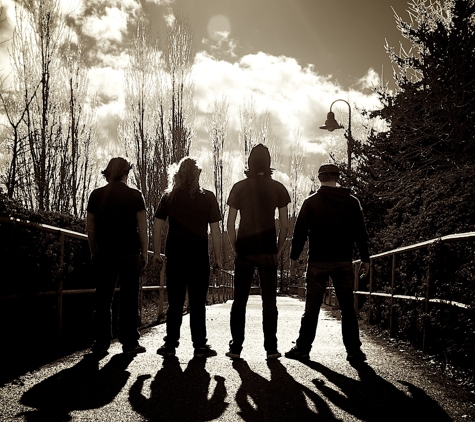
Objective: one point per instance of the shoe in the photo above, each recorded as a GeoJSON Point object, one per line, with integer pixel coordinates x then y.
{"type": "Point", "coordinates": [133, 350]}
{"type": "Point", "coordinates": [356, 356]}
{"type": "Point", "coordinates": [296, 354]}
{"type": "Point", "coordinates": [275, 354]}
{"type": "Point", "coordinates": [204, 352]}
{"type": "Point", "coordinates": [166, 350]}
{"type": "Point", "coordinates": [233, 355]}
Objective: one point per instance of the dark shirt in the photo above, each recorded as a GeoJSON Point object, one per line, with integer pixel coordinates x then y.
{"type": "Point", "coordinates": [188, 222]}
{"type": "Point", "coordinates": [333, 221]}
{"type": "Point", "coordinates": [115, 207]}
{"type": "Point", "coordinates": [257, 198]}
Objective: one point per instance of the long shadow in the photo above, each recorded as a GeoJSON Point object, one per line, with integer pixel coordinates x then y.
{"type": "Point", "coordinates": [177, 395]}
{"type": "Point", "coordinates": [279, 399]}
{"type": "Point", "coordinates": [372, 398]}
{"type": "Point", "coordinates": [83, 386]}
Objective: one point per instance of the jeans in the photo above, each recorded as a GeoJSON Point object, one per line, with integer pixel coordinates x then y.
{"type": "Point", "coordinates": [180, 276]}
{"type": "Point", "coordinates": [243, 272]}
{"type": "Point", "coordinates": [108, 269]}
{"type": "Point", "coordinates": [343, 281]}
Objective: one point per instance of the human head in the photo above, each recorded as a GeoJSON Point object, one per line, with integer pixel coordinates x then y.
{"type": "Point", "coordinates": [186, 176]}
{"type": "Point", "coordinates": [259, 161]}
{"type": "Point", "coordinates": [116, 169]}
{"type": "Point", "coordinates": [328, 173]}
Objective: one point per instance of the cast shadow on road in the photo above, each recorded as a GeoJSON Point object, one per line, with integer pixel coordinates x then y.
{"type": "Point", "coordinates": [279, 399]}
{"type": "Point", "coordinates": [81, 387]}
{"type": "Point", "coordinates": [177, 395]}
{"type": "Point", "coordinates": [372, 398]}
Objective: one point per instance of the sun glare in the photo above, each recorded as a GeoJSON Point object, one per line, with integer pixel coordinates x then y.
{"type": "Point", "coordinates": [218, 24]}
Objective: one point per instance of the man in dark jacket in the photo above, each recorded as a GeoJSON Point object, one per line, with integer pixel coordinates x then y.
{"type": "Point", "coordinates": [332, 220]}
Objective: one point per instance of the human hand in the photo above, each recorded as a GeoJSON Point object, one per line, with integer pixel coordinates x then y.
{"type": "Point", "coordinates": [217, 266]}
{"type": "Point", "coordinates": [365, 266]}
{"type": "Point", "coordinates": [157, 260]}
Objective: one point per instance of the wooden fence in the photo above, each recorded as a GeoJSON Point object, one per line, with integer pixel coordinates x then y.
{"type": "Point", "coordinates": [221, 287]}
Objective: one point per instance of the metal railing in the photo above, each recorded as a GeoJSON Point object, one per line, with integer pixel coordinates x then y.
{"type": "Point", "coordinates": [391, 296]}
{"type": "Point", "coordinates": [221, 287]}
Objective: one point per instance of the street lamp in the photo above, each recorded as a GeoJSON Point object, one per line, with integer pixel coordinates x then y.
{"type": "Point", "coordinates": [331, 124]}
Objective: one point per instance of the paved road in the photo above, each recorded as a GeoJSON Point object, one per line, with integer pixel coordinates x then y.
{"type": "Point", "coordinates": [148, 387]}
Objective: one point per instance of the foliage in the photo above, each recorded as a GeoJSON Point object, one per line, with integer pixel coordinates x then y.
{"type": "Point", "coordinates": [415, 179]}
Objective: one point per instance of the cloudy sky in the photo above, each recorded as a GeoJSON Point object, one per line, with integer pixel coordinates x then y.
{"type": "Point", "coordinates": [295, 57]}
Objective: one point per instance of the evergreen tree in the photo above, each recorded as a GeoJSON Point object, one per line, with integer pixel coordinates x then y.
{"type": "Point", "coordinates": [415, 177]}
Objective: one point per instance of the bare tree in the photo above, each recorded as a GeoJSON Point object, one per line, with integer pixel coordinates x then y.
{"type": "Point", "coordinates": [297, 158]}
{"type": "Point", "coordinates": [51, 126]}
{"type": "Point", "coordinates": [218, 120]}
{"type": "Point", "coordinates": [179, 56]}
{"type": "Point", "coordinates": [247, 125]}
{"type": "Point", "coordinates": [142, 127]}
{"type": "Point", "coordinates": [36, 57]}
{"type": "Point", "coordinates": [158, 124]}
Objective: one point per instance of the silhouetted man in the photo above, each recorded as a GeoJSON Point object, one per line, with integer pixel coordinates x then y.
{"type": "Point", "coordinates": [190, 209]}
{"type": "Point", "coordinates": [332, 220]}
{"type": "Point", "coordinates": [256, 198]}
{"type": "Point", "coordinates": [117, 233]}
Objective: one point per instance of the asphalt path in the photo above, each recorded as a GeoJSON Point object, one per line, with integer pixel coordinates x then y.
{"type": "Point", "coordinates": [147, 387]}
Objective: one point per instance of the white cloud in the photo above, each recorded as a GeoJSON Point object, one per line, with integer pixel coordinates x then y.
{"type": "Point", "coordinates": [370, 81]}
{"type": "Point", "coordinates": [221, 45]}
{"type": "Point", "coordinates": [297, 98]}
{"type": "Point", "coordinates": [109, 27]}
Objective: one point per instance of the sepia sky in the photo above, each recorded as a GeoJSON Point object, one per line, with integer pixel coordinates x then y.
{"type": "Point", "coordinates": [295, 57]}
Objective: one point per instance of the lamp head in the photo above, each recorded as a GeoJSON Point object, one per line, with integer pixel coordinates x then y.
{"type": "Point", "coordinates": [331, 124]}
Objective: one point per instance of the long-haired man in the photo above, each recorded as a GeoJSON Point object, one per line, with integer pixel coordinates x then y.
{"type": "Point", "coordinates": [256, 245]}
{"type": "Point", "coordinates": [189, 210]}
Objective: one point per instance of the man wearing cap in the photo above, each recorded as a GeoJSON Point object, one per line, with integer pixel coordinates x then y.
{"type": "Point", "coordinates": [332, 219]}
{"type": "Point", "coordinates": [256, 245]}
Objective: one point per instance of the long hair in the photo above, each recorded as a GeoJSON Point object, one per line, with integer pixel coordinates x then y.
{"type": "Point", "coordinates": [184, 178]}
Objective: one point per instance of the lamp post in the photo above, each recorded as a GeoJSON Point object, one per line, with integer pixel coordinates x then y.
{"type": "Point", "coordinates": [331, 124]}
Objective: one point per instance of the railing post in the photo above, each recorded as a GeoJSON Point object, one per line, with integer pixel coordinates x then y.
{"type": "Point", "coordinates": [426, 308]}
{"type": "Point", "coordinates": [371, 281]}
{"type": "Point", "coordinates": [59, 297]}
{"type": "Point", "coordinates": [356, 286]}
{"type": "Point", "coordinates": [392, 327]}
{"type": "Point", "coordinates": [161, 292]}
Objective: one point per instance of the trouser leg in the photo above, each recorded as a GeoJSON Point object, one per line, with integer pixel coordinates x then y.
{"type": "Point", "coordinates": [176, 292]}
{"type": "Point", "coordinates": [105, 273]}
{"type": "Point", "coordinates": [268, 281]}
{"type": "Point", "coordinates": [316, 284]}
{"type": "Point", "coordinates": [197, 292]}
{"type": "Point", "coordinates": [243, 272]}
{"type": "Point", "coordinates": [343, 282]}
{"type": "Point", "coordinates": [130, 268]}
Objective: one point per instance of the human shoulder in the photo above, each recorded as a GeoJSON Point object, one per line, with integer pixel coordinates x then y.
{"type": "Point", "coordinates": [208, 194]}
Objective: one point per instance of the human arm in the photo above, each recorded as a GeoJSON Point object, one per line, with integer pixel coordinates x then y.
{"type": "Point", "coordinates": [157, 240]}
{"type": "Point", "coordinates": [284, 228]}
{"type": "Point", "coordinates": [143, 236]}
{"type": "Point", "coordinates": [231, 227]}
{"type": "Point", "coordinates": [216, 239]}
{"type": "Point", "coordinates": [300, 233]}
{"type": "Point", "coordinates": [91, 232]}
